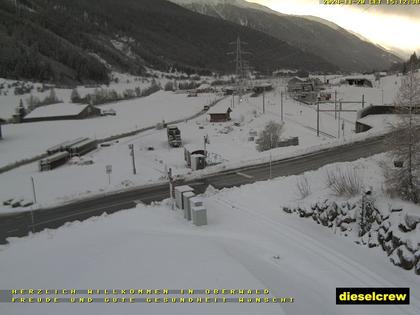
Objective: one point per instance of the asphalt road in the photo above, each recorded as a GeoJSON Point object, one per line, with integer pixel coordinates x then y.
{"type": "Point", "coordinates": [21, 224]}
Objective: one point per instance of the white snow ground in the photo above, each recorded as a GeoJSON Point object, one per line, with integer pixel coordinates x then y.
{"type": "Point", "coordinates": [153, 247]}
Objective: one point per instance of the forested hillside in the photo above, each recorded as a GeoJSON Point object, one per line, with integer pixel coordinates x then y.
{"type": "Point", "coordinates": [68, 41]}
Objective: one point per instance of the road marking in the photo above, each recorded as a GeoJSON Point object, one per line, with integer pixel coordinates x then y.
{"type": "Point", "coordinates": [244, 175]}
{"type": "Point", "coordinates": [11, 231]}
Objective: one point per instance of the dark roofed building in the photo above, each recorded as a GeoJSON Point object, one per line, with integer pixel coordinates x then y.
{"type": "Point", "coordinates": [220, 115]}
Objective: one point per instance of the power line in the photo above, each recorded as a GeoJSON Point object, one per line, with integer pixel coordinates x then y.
{"type": "Point", "coordinates": [242, 65]}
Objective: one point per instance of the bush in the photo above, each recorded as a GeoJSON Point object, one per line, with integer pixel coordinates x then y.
{"type": "Point", "coordinates": [270, 136]}
{"type": "Point", "coordinates": [303, 187]}
{"type": "Point", "coordinates": [169, 86]}
{"type": "Point", "coordinates": [345, 182]}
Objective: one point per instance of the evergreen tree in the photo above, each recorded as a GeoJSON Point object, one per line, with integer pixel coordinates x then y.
{"type": "Point", "coordinates": [75, 96]}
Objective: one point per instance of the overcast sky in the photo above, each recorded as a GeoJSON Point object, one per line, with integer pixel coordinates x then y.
{"type": "Point", "coordinates": [392, 26]}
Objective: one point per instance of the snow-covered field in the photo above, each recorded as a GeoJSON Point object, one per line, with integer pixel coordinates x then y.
{"type": "Point", "coordinates": [229, 142]}
{"type": "Point", "coordinates": [22, 141]}
{"type": "Point", "coordinates": [249, 243]}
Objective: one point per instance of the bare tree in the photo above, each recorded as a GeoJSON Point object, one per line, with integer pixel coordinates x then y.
{"type": "Point", "coordinates": [270, 136]}
{"type": "Point", "coordinates": [404, 144]}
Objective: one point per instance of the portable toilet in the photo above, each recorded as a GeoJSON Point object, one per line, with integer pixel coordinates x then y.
{"type": "Point", "coordinates": [179, 191]}
{"type": "Point", "coordinates": [189, 151]}
{"type": "Point", "coordinates": [199, 216]}
{"type": "Point", "coordinates": [198, 162]}
{"type": "Point", "coordinates": [187, 209]}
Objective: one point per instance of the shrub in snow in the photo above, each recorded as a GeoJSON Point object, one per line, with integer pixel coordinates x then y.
{"type": "Point", "coordinates": [344, 182]}
{"type": "Point", "coordinates": [270, 136]}
{"type": "Point", "coordinates": [303, 187]}
{"type": "Point", "coordinates": [169, 86]}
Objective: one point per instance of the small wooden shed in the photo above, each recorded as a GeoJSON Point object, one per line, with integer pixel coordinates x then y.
{"type": "Point", "coordinates": [217, 115]}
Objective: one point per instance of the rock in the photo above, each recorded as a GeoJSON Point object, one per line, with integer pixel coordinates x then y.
{"type": "Point", "coordinates": [332, 211]}
{"type": "Point", "coordinates": [378, 219]}
{"type": "Point", "coordinates": [405, 259]}
{"type": "Point", "coordinates": [348, 220]}
{"type": "Point", "coordinates": [396, 241]}
{"type": "Point", "coordinates": [305, 213]}
{"type": "Point", "coordinates": [344, 226]}
{"type": "Point", "coordinates": [403, 227]}
{"type": "Point", "coordinates": [323, 218]}
{"type": "Point", "coordinates": [387, 247]}
{"type": "Point", "coordinates": [287, 210]}
{"type": "Point", "coordinates": [386, 225]}
{"type": "Point", "coordinates": [411, 221]}
{"type": "Point", "coordinates": [395, 259]}
{"type": "Point", "coordinates": [413, 246]}
{"type": "Point", "coordinates": [381, 235]}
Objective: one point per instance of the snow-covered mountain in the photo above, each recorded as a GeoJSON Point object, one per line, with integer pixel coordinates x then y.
{"type": "Point", "coordinates": [81, 41]}
{"type": "Point", "coordinates": [326, 39]}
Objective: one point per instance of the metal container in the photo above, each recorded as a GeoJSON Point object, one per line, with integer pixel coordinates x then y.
{"type": "Point", "coordinates": [179, 191]}
{"type": "Point", "coordinates": [187, 209]}
{"type": "Point", "coordinates": [199, 216]}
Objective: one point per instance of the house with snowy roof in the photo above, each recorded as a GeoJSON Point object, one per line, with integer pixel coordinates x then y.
{"type": "Point", "coordinates": [62, 111]}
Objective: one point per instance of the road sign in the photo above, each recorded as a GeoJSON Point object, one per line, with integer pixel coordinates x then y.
{"type": "Point", "coordinates": [108, 169]}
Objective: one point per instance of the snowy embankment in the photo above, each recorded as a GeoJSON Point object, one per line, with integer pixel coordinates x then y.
{"type": "Point", "coordinates": [249, 243]}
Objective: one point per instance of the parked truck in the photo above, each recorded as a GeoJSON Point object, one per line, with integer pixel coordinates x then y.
{"type": "Point", "coordinates": [174, 136]}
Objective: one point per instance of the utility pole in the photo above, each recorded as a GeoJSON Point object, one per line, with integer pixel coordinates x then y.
{"type": "Point", "coordinates": [32, 211]}
{"type": "Point", "coordinates": [363, 101]}
{"type": "Point", "coordinates": [33, 189]}
{"type": "Point", "coordinates": [271, 146]}
{"type": "Point", "coordinates": [317, 119]}
{"type": "Point", "coordinates": [382, 96]}
{"type": "Point", "coordinates": [281, 105]}
{"type": "Point", "coordinates": [339, 119]}
{"type": "Point", "coordinates": [131, 147]}
{"type": "Point", "coordinates": [206, 141]}
{"type": "Point", "coordinates": [335, 104]}
{"type": "Point", "coordinates": [171, 187]}
{"type": "Point", "coordinates": [263, 101]}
